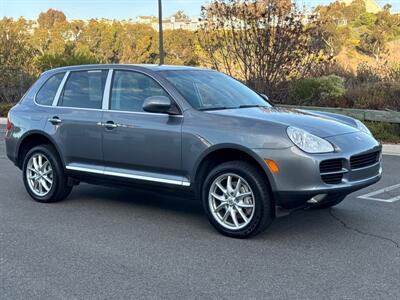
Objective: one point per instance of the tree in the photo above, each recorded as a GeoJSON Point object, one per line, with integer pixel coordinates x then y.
{"type": "Point", "coordinates": [100, 38]}
{"type": "Point", "coordinates": [373, 43]}
{"type": "Point", "coordinates": [50, 61]}
{"type": "Point", "coordinates": [355, 9]}
{"type": "Point", "coordinates": [330, 30]}
{"type": "Point", "coordinates": [48, 19]}
{"type": "Point", "coordinates": [180, 15]}
{"type": "Point", "coordinates": [260, 42]}
{"type": "Point", "coordinates": [180, 47]}
{"type": "Point", "coordinates": [52, 33]}
{"type": "Point", "coordinates": [16, 56]}
{"type": "Point", "coordinates": [139, 44]}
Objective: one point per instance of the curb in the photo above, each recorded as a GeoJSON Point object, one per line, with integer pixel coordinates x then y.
{"type": "Point", "coordinates": [388, 149]}
{"type": "Point", "coordinates": [391, 149]}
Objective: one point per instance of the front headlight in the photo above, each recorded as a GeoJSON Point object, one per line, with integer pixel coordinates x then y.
{"type": "Point", "coordinates": [308, 142]}
{"type": "Point", "coordinates": [362, 127]}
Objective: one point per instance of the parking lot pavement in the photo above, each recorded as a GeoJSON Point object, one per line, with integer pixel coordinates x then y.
{"type": "Point", "coordinates": [112, 243]}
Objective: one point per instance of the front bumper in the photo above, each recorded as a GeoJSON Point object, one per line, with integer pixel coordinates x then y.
{"type": "Point", "coordinates": [299, 177]}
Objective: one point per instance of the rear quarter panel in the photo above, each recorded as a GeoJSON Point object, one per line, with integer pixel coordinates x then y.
{"type": "Point", "coordinates": [26, 117]}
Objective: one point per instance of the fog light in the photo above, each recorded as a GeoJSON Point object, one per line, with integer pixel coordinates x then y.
{"type": "Point", "coordinates": [273, 166]}
{"type": "Point", "coordinates": [316, 199]}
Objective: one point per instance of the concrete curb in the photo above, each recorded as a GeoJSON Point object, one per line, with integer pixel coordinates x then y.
{"type": "Point", "coordinates": [391, 149]}
{"type": "Point", "coordinates": [388, 149]}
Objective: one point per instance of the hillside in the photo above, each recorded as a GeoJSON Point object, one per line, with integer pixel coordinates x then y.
{"type": "Point", "coordinates": [350, 58]}
{"type": "Point", "coordinates": [370, 5]}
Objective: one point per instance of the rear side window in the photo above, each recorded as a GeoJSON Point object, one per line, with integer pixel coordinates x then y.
{"type": "Point", "coordinates": [48, 91]}
{"type": "Point", "coordinates": [130, 89]}
{"type": "Point", "coordinates": [84, 89]}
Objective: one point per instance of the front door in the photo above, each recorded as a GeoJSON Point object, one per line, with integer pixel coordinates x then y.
{"type": "Point", "coordinates": [137, 144]}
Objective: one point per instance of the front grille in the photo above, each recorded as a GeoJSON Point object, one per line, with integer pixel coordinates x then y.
{"type": "Point", "coordinates": [331, 165]}
{"type": "Point", "coordinates": [332, 178]}
{"type": "Point", "coordinates": [364, 160]}
{"type": "Point", "coordinates": [331, 170]}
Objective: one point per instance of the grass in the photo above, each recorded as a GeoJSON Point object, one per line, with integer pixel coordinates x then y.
{"type": "Point", "coordinates": [384, 132]}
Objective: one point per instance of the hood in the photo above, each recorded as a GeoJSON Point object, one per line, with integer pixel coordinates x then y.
{"type": "Point", "coordinates": [319, 124]}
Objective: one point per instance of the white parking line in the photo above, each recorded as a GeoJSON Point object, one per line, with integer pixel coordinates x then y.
{"type": "Point", "coordinates": [370, 196]}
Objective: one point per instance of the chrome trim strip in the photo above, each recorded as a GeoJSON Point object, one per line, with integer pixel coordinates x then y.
{"type": "Point", "coordinates": [106, 92]}
{"type": "Point", "coordinates": [141, 113]}
{"type": "Point", "coordinates": [131, 176]}
{"type": "Point", "coordinates": [60, 88]}
{"type": "Point", "coordinates": [342, 171]}
{"type": "Point", "coordinates": [82, 169]}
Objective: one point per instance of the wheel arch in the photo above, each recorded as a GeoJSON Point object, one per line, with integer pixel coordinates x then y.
{"type": "Point", "coordinates": [227, 152]}
{"type": "Point", "coordinates": [32, 139]}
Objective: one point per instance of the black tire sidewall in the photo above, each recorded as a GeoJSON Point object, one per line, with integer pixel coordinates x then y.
{"type": "Point", "coordinates": [263, 212]}
{"type": "Point", "coordinates": [57, 172]}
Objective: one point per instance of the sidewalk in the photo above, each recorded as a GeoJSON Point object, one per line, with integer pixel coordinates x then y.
{"type": "Point", "coordinates": [388, 149]}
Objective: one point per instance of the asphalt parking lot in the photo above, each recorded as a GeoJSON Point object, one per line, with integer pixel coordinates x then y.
{"type": "Point", "coordinates": [104, 243]}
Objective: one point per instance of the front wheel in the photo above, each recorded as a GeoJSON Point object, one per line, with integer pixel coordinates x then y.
{"type": "Point", "coordinates": [237, 200]}
{"type": "Point", "coordinates": [43, 175]}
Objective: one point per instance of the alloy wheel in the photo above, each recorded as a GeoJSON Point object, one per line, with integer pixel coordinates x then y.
{"type": "Point", "coordinates": [39, 174]}
{"type": "Point", "coordinates": [231, 201]}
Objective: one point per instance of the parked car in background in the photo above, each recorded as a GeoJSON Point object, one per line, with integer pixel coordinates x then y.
{"type": "Point", "coordinates": [190, 128]}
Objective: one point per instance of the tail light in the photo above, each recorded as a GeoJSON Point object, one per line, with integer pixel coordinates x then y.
{"type": "Point", "coordinates": [8, 122]}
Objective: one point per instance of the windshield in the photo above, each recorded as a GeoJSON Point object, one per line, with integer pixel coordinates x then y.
{"type": "Point", "coordinates": [208, 90]}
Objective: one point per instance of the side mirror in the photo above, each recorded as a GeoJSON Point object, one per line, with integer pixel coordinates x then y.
{"type": "Point", "coordinates": [157, 104]}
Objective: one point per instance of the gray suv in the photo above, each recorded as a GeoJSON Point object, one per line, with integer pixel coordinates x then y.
{"type": "Point", "coordinates": [187, 128]}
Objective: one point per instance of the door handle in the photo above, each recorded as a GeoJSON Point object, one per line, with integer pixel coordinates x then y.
{"type": "Point", "coordinates": [55, 120]}
{"type": "Point", "coordinates": [110, 125]}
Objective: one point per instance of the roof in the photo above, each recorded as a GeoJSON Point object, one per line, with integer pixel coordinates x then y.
{"type": "Point", "coordinates": [154, 68]}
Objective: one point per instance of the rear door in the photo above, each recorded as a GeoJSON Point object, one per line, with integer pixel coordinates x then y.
{"type": "Point", "coordinates": [138, 144]}
{"type": "Point", "coordinates": [74, 121]}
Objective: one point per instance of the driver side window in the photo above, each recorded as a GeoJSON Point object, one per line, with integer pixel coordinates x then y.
{"type": "Point", "coordinates": [130, 89]}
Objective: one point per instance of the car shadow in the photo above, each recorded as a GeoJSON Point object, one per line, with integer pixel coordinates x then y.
{"type": "Point", "coordinates": [297, 224]}
{"type": "Point", "coordinates": [160, 199]}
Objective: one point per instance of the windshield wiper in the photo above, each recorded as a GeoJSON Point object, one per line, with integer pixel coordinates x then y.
{"type": "Point", "coordinates": [232, 107]}
{"type": "Point", "coordinates": [214, 108]}
{"type": "Point", "coordinates": [251, 105]}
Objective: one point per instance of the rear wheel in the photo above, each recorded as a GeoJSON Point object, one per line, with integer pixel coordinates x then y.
{"type": "Point", "coordinates": [237, 200]}
{"type": "Point", "coordinates": [43, 175]}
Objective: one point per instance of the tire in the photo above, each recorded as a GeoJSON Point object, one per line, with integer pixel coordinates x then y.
{"type": "Point", "coordinates": [51, 171]}
{"type": "Point", "coordinates": [330, 202]}
{"type": "Point", "coordinates": [253, 200]}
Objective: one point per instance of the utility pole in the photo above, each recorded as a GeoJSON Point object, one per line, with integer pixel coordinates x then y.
{"type": "Point", "coordinates": [160, 33]}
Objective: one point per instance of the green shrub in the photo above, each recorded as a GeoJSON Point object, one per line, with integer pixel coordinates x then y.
{"type": "Point", "coordinates": [318, 89]}
{"type": "Point", "coordinates": [385, 132]}
{"type": "Point", "coordinates": [331, 86]}
{"type": "Point", "coordinates": [4, 108]}
{"type": "Point", "coordinates": [375, 95]}
{"type": "Point", "coordinates": [49, 61]}
{"type": "Point", "coordinates": [305, 89]}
